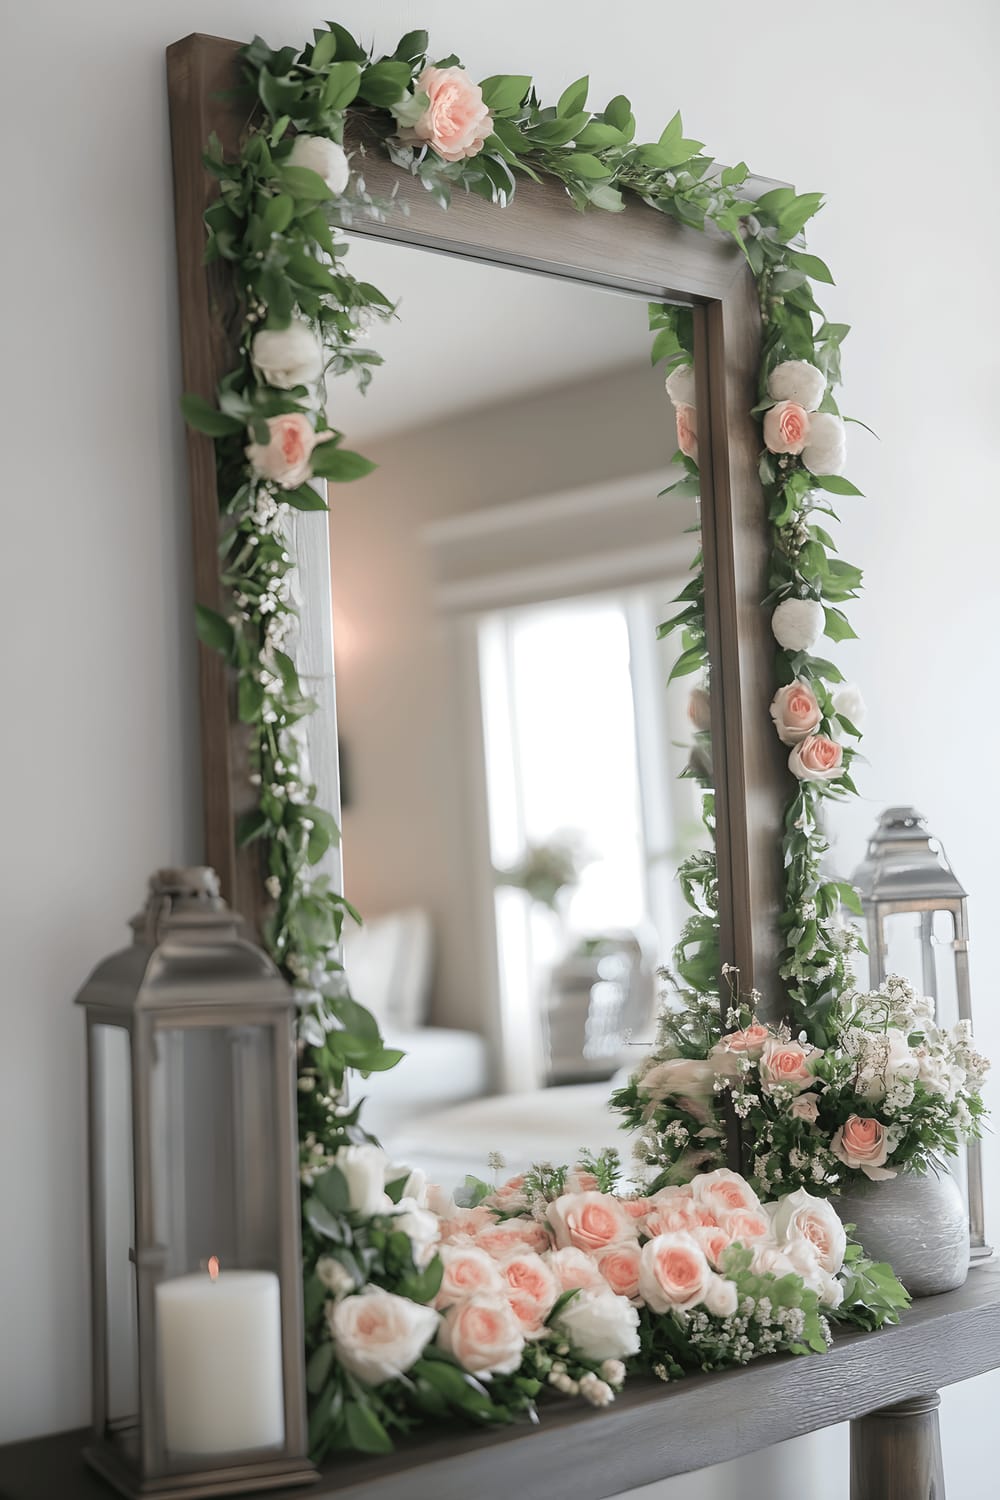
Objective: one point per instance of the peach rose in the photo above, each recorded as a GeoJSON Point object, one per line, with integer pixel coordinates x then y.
{"type": "Point", "coordinates": [636, 1208]}
{"type": "Point", "coordinates": [501, 1240]}
{"type": "Point", "coordinates": [589, 1221]}
{"type": "Point", "coordinates": [285, 457]}
{"type": "Point", "coordinates": [787, 1065]}
{"type": "Point", "coordinates": [531, 1289]}
{"type": "Point", "coordinates": [578, 1180]}
{"type": "Point", "coordinates": [467, 1271]}
{"type": "Point", "coordinates": [750, 1040]}
{"type": "Point", "coordinates": [786, 427]}
{"type": "Point", "coordinates": [805, 1107]}
{"type": "Point", "coordinates": [465, 1223]}
{"type": "Point", "coordinates": [456, 122]}
{"type": "Point", "coordinates": [748, 1225]}
{"type": "Point", "coordinates": [574, 1271]}
{"type": "Point", "coordinates": [378, 1336]}
{"type": "Point", "coordinates": [714, 1241]}
{"type": "Point", "coordinates": [687, 431]}
{"type": "Point", "coordinates": [509, 1196]}
{"type": "Point", "coordinates": [801, 1216]}
{"type": "Point", "coordinates": [722, 1191]}
{"type": "Point", "coordinates": [619, 1265]}
{"type": "Point", "coordinates": [816, 759]}
{"type": "Point", "coordinates": [673, 1272]}
{"type": "Point", "coordinates": [679, 1078]}
{"type": "Point", "coordinates": [795, 712]}
{"type": "Point", "coordinates": [700, 710]}
{"type": "Point", "coordinates": [484, 1335]}
{"type": "Point", "coordinates": [861, 1142]}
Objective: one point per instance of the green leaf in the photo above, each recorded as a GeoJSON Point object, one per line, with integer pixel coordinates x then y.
{"type": "Point", "coordinates": [384, 83]}
{"type": "Point", "coordinates": [279, 96]}
{"type": "Point", "coordinates": [305, 497]}
{"type": "Point", "coordinates": [324, 50]}
{"type": "Point", "coordinates": [733, 176]}
{"type": "Point", "coordinates": [318, 1368]}
{"type": "Point", "coordinates": [213, 630]}
{"type": "Point", "coordinates": [208, 419]}
{"type": "Point", "coordinates": [325, 1223]}
{"type": "Point", "coordinates": [689, 661]}
{"type": "Point", "coordinates": [588, 166]}
{"type": "Point", "coordinates": [412, 46]}
{"type": "Point", "coordinates": [339, 464]}
{"type": "Point", "coordinates": [619, 112]}
{"type": "Point", "coordinates": [332, 1191]}
{"type": "Point", "coordinates": [251, 826]}
{"type": "Point", "coordinates": [573, 98]}
{"type": "Point", "coordinates": [278, 213]}
{"type": "Point", "coordinates": [304, 183]}
{"type": "Point", "coordinates": [364, 1430]}
{"type": "Point", "coordinates": [249, 697]}
{"type": "Point", "coordinates": [342, 83]}
{"type": "Point", "coordinates": [598, 135]}
{"type": "Point", "coordinates": [347, 47]}
{"type": "Point", "coordinates": [838, 627]}
{"type": "Point", "coordinates": [836, 484]}
{"type": "Point", "coordinates": [503, 92]}
{"type": "Point", "coordinates": [811, 264]}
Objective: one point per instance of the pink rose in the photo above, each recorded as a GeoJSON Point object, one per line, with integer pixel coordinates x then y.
{"type": "Point", "coordinates": [787, 1065]}
{"type": "Point", "coordinates": [619, 1265]}
{"type": "Point", "coordinates": [531, 1289]}
{"type": "Point", "coordinates": [687, 431]}
{"type": "Point", "coordinates": [861, 1142]}
{"type": "Point", "coordinates": [636, 1208]}
{"type": "Point", "coordinates": [467, 1272]}
{"type": "Point", "coordinates": [800, 1216]}
{"type": "Point", "coordinates": [667, 1218]}
{"type": "Point", "coordinates": [501, 1240]}
{"type": "Point", "coordinates": [805, 1107]}
{"type": "Point", "coordinates": [786, 427]}
{"type": "Point", "coordinates": [285, 457]}
{"type": "Point", "coordinates": [722, 1191]}
{"type": "Point", "coordinates": [484, 1335]}
{"type": "Point", "coordinates": [750, 1040]}
{"type": "Point", "coordinates": [795, 712]}
{"type": "Point", "coordinates": [456, 121]}
{"type": "Point", "coordinates": [574, 1271]}
{"type": "Point", "coordinates": [589, 1221]}
{"type": "Point", "coordinates": [816, 759]}
{"type": "Point", "coordinates": [714, 1241]}
{"type": "Point", "coordinates": [748, 1225]}
{"type": "Point", "coordinates": [700, 710]}
{"type": "Point", "coordinates": [580, 1181]}
{"type": "Point", "coordinates": [673, 1272]}
{"type": "Point", "coordinates": [465, 1223]}
{"type": "Point", "coordinates": [509, 1196]}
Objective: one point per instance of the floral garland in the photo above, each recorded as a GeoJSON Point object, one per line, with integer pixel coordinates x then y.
{"type": "Point", "coordinates": [282, 201]}
{"type": "Point", "coordinates": [419, 1308]}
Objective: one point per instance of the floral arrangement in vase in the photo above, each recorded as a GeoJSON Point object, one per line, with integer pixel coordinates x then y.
{"type": "Point", "coordinates": [420, 1307]}
{"type": "Point", "coordinates": [891, 1091]}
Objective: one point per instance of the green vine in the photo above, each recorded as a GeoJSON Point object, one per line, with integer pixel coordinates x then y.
{"type": "Point", "coordinates": [283, 202]}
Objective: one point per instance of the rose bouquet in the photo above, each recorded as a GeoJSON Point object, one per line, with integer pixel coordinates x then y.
{"type": "Point", "coordinates": [891, 1090]}
{"type": "Point", "coordinates": [420, 1308]}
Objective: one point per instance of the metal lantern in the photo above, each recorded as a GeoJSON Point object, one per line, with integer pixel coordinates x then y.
{"type": "Point", "coordinates": [198, 1373]}
{"type": "Point", "coordinates": [912, 901]}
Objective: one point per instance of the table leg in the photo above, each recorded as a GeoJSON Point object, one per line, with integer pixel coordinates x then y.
{"type": "Point", "coordinates": [896, 1452]}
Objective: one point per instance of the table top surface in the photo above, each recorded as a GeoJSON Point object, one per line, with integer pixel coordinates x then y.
{"type": "Point", "coordinates": [651, 1431]}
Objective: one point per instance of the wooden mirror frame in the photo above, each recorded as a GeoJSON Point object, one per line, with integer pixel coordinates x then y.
{"type": "Point", "coordinates": [639, 251]}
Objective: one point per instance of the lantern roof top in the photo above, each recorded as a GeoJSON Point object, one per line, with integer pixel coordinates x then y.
{"type": "Point", "coordinates": [186, 953]}
{"type": "Point", "coordinates": [905, 862]}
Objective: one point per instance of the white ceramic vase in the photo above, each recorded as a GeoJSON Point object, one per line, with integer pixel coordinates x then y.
{"type": "Point", "coordinates": [917, 1222]}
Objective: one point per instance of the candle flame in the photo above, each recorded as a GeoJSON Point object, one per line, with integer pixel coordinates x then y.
{"type": "Point", "coordinates": [213, 1267]}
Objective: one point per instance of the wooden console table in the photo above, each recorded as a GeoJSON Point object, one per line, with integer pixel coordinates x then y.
{"type": "Point", "coordinates": [885, 1384]}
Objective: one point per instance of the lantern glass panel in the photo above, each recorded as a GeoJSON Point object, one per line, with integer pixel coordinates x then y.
{"type": "Point", "coordinates": [920, 945]}
{"type": "Point", "coordinates": [214, 1147]}
{"type": "Point", "coordinates": [115, 1210]}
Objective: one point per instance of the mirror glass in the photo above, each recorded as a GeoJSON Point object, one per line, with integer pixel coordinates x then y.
{"type": "Point", "coordinates": [520, 782]}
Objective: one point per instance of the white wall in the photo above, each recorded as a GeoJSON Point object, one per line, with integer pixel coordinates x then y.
{"type": "Point", "coordinates": [889, 108]}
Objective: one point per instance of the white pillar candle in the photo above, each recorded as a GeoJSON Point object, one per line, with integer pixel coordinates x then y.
{"type": "Point", "coordinates": [220, 1362]}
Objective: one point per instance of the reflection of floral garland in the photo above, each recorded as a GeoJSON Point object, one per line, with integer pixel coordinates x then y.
{"type": "Point", "coordinates": [281, 202]}
{"type": "Point", "coordinates": [418, 1308]}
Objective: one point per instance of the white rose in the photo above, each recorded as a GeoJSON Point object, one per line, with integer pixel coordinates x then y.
{"type": "Point", "coordinates": [826, 450]}
{"type": "Point", "coordinates": [379, 1336]}
{"type": "Point", "coordinates": [335, 1277]}
{"type": "Point", "coordinates": [288, 356]}
{"type": "Point", "coordinates": [801, 1218]}
{"type": "Point", "coordinates": [721, 1298]}
{"type": "Point", "coordinates": [681, 386]}
{"type": "Point", "coordinates": [364, 1169]}
{"type": "Point", "coordinates": [797, 381]}
{"type": "Point", "coordinates": [600, 1325]}
{"type": "Point", "coordinates": [847, 700]}
{"type": "Point", "coordinates": [768, 1260]}
{"type": "Point", "coordinates": [421, 1227]}
{"type": "Point", "coordinates": [415, 1186]}
{"type": "Point", "coordinates": [797, 624]}
{"type": "Point", "coordinates": [692, 1077]}
{"type": "Point", "coordinates": [325, 158]}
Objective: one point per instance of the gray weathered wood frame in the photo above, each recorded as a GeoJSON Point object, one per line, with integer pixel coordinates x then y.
{"type": "Point", "coordinates": [639, 251]}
